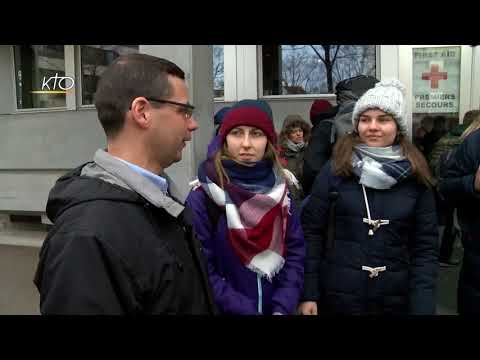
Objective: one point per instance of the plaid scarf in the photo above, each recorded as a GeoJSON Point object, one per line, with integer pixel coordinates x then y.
{"type": "Point", "coordinates": [380, 167]}
{"type": "Point", "coordinates": [256, 222]}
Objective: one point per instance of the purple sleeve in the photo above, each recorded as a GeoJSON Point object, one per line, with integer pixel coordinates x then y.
{"type": "Point", "coordinates": [289, 282]}
{"type": "Point", "coordinates": [227, 299]}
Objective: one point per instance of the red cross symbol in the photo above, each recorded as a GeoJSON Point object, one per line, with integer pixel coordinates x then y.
{"type": "Point", "coordinates": [434, 75]}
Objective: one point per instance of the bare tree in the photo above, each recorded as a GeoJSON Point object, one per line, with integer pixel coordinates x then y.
{"type": "Point", "coordinates": [354, 60]}
{"type": "Point", "coordinates": [317, 68]}
{"type": "Point", "coordinates": [328, 58]}
{"type": "Point", "coordinates": [297, 69]}
{"type": "Point", "coordinates": [218, 67]}
{"type": "Point", "coordinates": [344, 61]}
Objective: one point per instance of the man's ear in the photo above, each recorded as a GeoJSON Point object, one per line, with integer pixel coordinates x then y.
{"type": "Point", "coordinates": [139, 110]}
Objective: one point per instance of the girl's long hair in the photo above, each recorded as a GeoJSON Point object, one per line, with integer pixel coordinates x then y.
{"type": "Point", "coordinates": [343, 151]}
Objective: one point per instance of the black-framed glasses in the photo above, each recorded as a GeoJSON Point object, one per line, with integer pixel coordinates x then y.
{"type": "Point", "coordinates": [187, 109]}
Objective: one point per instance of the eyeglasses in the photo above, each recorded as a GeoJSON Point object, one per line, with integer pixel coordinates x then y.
{"type": "Point", "coordinates": [187, 109]}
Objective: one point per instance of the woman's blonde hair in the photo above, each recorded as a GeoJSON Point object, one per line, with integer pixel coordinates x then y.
{"type": "Point", "coordinates": [473, 126]}
{"type": "Point", "coordinates": [343, 150]}
{"type": "Point", "coordinates": [222, 154]}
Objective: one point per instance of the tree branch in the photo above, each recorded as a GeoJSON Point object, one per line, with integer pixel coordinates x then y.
{"type": "Point", "coordinates": [336, 52]}
{"type": "Point", "coordinates": [318, 54]}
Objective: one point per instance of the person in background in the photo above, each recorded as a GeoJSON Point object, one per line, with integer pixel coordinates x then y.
{"type": "Point", "coordinates": [461, 187]}
{"type": "Point", "coordinates": [293, 140]}
{"type": "Point", "coordinates": [439, 157]}
{"type": "Point", "coordinates": [431, 138]}
{"type": "Point", "coordinates": [320, 145]}
{"type": "Point", "coordinates": [218, 118]}
{"type": "Point", "coordinates": [426, 126]}
{"type": "Point", "coordinates": [347, 92]}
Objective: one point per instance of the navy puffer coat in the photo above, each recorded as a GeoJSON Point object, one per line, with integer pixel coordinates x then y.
{"type": "Point", "coordinates": [458, 189]}
{"type": "Point", "coordinates": [340, 277]}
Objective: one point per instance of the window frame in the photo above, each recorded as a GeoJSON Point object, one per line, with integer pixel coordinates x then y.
{"type": "Point", "coordinates": [78, 81]}
{"type": "Point", "coordinates": [239, 72]}
{"type": "Point", "coordinates": [302, 96]}
{"type": "Point", "coordinates": [78, 69]}
{"type": "Point", "coordinates": [219, 99]}
{"type": "Point", "coordinates": [70, 96]}
{"type": "Point", "coordinates": [73, 68]}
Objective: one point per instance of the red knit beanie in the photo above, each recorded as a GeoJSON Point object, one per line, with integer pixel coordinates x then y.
{"type": "Point", "coordinates": [248, 116]}
{"type": "Point", "coordinates": [319, 106]}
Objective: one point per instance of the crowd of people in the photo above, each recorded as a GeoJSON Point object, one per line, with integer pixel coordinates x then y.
{"type": "Point", "coordinates": [340, 216]}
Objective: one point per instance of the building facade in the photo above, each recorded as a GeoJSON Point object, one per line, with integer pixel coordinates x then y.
{"type": "Point", "coordinates": [48, 124]}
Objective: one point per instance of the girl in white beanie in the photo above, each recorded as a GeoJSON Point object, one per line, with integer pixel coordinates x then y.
{"type": "Point", "coordinates": [370, 224]}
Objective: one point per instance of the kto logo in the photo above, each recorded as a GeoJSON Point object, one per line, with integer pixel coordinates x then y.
{"type": "Point", "coordinates": [56, 85]}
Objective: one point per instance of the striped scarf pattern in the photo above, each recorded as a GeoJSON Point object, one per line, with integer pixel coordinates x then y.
{"type": "Point", "coordinates": [256, 222]}
{"type": "Point", "coordinates": [380, 167]}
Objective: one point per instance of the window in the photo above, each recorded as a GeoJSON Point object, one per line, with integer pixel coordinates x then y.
{"type": "Point", "coordinates": [218, 78]}
{"type": "Point", "coordinates": [35, 64]}
{"type": "Point", "coordinates": [94, 59]}
{"type": "Point", "coordinates": [313, 69]}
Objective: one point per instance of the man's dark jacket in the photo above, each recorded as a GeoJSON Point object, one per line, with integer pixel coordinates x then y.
{"type": "Point", "coordinates": [112, 251]}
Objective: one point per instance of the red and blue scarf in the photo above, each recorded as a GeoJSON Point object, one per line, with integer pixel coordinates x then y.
{"type": "Point", "coordinates": [256, 212]}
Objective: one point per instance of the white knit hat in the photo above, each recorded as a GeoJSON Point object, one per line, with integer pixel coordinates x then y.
{"type": "Point", "coordinates": [388, 96]}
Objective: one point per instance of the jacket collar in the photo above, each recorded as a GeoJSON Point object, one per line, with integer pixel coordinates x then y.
{"type": "Point", "coordinates": [119, 173]}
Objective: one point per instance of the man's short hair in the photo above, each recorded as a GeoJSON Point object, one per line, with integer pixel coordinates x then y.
{"type": "Point", "coordinates": [127, 78]}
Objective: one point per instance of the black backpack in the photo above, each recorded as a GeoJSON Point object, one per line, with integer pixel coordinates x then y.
{"type": "Point", "coordinates": [444, 162]}
{"type": "Point", "coordinates": [441, 170]}
{"type": "Point", "coordinates": [358, 85]}
{"type": "Point", "coordinates": [348, 92]}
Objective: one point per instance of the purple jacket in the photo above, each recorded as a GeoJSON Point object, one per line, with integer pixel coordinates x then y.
{"type": "Point", "coordinates": [236, 289]}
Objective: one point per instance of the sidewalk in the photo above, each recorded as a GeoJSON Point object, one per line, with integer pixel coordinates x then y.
{"type": "Point", "coordinates": [447, 285]}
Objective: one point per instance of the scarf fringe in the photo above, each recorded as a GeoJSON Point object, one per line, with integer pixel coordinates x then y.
{"type": "Point", "coordinates": [288, 204]}
{"type": "Point", "coordinates": [262, 273]}
{"type": "Point", "coordinates": [267, 258]}
{"type": "Point", "coordinates": [194, 184]}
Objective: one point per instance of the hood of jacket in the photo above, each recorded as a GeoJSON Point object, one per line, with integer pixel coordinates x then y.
{"type": "Point", "coordinates": [105, 178]}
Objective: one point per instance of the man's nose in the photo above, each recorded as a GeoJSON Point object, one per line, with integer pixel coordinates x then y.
{"type": "Point", "coordinates": [193, 125]}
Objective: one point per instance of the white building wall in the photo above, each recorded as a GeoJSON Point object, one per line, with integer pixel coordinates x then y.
{"type": "Point", "coordinates": [38, 147]}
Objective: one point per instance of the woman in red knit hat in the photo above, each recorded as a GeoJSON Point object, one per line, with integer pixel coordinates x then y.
{"type": "Point", "coordinates": [321, 143]}
{"type": "Point", "coordinates": [250, 234]}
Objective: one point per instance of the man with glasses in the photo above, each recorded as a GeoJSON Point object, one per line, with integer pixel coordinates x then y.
{"type": "Point", "coordinates": [120, 243]}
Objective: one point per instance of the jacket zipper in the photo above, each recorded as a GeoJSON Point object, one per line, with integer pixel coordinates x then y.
{"type": "Point", "coordinates": [260, 294]}
{"type": "Point", "coordinates": [195, 258]}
